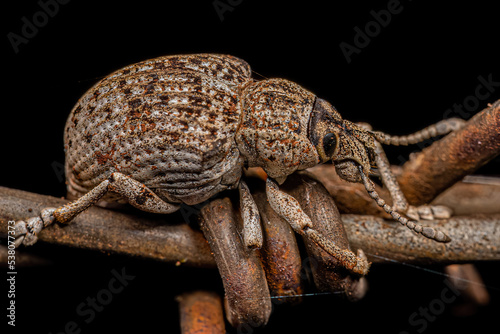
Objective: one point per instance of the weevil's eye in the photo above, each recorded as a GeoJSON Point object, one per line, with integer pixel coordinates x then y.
{"type": "Point", "coordinates": [329, 144]}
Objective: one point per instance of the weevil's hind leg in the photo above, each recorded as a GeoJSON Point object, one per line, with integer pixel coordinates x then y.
{"type": "Point", "coordinates": [289, 209]}
{"type": "Point", "coordinates": [252, 231]}
{"type": "Point", "coordinates": [399, 202]}
{"type": "Point", "coordinates": [135, 192]}
{"type": "Point", "coordinates": [440, 128]}
{"type": "Point", "coordinates": [426, 231]}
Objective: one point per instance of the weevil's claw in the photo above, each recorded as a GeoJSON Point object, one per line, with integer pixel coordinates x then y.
{"type": "Point", "coordinates": [429, 212]}
{"type": "Point", "coordinates": [362, 266]}
{"type": "Point", "coordinates": [26, 232]}
{"type": "Point", "coordinates": [20, 232]}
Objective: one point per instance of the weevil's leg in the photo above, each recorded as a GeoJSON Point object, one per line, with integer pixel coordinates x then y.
{"type": "Point", "coordinates": [135, 192]}
{"type": "Point", "coordinates": [440, 128]}
{"type": "Point", "coordinates": [399, 201]}
{"type": "Point", "coordinates": [252, 231]}
{"type": "Point", "coordinates": [289, 209]}
{"type": "Point", "coordinates": [426, 231]}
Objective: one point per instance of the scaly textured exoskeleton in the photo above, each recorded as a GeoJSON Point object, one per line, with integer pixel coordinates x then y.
{"type": "Point", "coordinates": [180, 129]}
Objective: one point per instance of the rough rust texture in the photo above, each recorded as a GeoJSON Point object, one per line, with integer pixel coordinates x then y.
{"type": "Point", "coordinates": [247, 297]}
{"type": "Point", "coordinates": [476, 195]}
{"type": "Point", "coordinates": [112, 231]}
{"type": "Point", "coordinates": [137, 235]}
{"type": "Point", "coordinates": [475, 238]}
{"type": "Point", "coordinates": [448, 160]}
{"type": "Point", "coordinates": [200, 313]}
{"type": "Point", "coordinates": [280, 253]}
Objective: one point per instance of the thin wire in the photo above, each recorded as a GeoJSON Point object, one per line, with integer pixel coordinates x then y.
{"type": "Point", "coordinates": [434, 271]}
{"type": "Point", "coordinates": [303, 295]}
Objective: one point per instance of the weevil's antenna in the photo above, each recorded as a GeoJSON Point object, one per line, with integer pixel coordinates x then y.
{"type": "Point", "coordinates": [426, 231]}
{"type": "Point", "coordinates": [440, 128]}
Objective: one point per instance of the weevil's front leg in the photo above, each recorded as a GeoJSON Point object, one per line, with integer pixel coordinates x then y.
{"type": "Point", "coordinates": [252, 231]}
{"type": "Point", "coordinates": [135, 192]}
{"type": "Point", "coordinates": [289, 209]}
{"type": "Point", "coordinates": [399, 202]}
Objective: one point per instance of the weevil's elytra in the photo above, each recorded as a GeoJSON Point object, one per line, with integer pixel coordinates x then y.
{"type": "Point", "coordinates": [168, 123]}
{"type": "Point", "coordinates": [180, 129]}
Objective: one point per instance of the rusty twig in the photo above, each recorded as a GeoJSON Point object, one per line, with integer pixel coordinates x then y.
{"type": "Point", "coordinates": [471, 196]}
{"type": "Point", "coordinates": [448, 160]}
{"type": "Point", "coordinates": [280, 254]}
{"type": "Point", "coordinates": [474, 238]}
{"type": "Point", "coordinates": [201, 312]}
{"type": "Point", "coordinates": [148, 236]}
{"type": "Point", "coordinates": [151, 237]}
{"type": "Point", "coordinates": [247, 294]}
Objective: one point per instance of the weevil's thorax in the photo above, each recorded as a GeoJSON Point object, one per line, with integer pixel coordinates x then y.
{"type": "Point", "coordinates": [274, 129]}
{"type": "Point", "coordinates": [353, 145]}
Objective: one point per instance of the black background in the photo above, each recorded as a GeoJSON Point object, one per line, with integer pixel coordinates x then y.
{"type": "Point", "coordinates": [427, 59]}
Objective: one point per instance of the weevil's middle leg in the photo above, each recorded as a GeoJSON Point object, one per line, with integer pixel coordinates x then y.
{"type": "Point", "coordinates": [288, 208]}
{"type": "Point", "coordinates": [135, 192]}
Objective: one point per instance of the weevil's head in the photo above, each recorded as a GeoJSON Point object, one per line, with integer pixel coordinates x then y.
{"type": "Point", "coordinates": [344, 143]}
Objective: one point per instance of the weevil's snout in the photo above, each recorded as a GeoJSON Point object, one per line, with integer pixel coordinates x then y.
{"type": "Point", "coordinates": [348, 170]}
{"type": "Point", "coordinates": [351, 153]}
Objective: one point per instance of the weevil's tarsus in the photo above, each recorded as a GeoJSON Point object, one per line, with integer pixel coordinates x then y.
{"type": "Point", "coordinates": [440, 128]}
{"type": "Point", "coordinates": [426, 231]}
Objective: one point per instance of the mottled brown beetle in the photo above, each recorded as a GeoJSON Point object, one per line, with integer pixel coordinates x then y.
{"type": "Point", "coordinates": [180, 129]}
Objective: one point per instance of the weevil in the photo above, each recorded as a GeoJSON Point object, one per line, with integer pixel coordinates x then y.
{"type": "Point", "coordinates": [180, 129]}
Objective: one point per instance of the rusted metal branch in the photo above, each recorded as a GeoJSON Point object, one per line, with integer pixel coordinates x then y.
{"type": "Point", "coordinates": [247, 297]}
{"type": "Point", "coordinates": [201, 312]}
{"type": "Point", "coordinates": [280, 254]}
{"type": "Point", "coordinates": [150, 236]}
{"type": "Point", "coordinates": [474, 238]}
{"type": "Point", "coordinates": [448, 160]}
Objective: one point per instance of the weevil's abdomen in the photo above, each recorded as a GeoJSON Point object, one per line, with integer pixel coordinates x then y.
{"type": "Point", "coordinates": [274, 129]}
{"type": "Point", "coordinates": [168, 122]}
